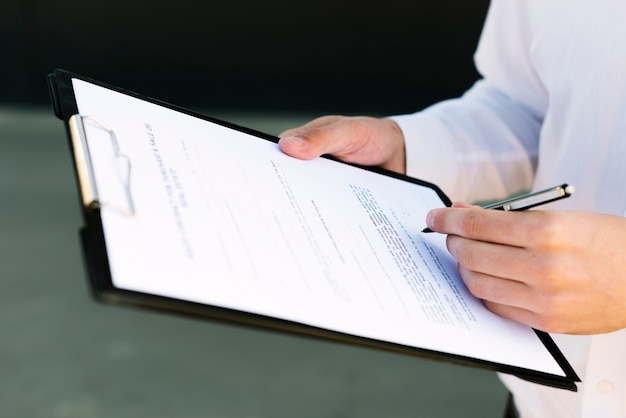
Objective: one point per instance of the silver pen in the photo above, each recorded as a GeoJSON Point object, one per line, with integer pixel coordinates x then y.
{"type": "Point", "coordinates": [529, 200]}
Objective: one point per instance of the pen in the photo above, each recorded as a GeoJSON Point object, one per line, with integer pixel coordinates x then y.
{"type": "Point", "coordinates": [529, 200]}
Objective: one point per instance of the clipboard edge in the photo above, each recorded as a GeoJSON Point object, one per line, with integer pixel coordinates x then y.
{"type": "Point", "coordinates": [65, 114]}
{"type": "Point", "coordinates": [102, 291]}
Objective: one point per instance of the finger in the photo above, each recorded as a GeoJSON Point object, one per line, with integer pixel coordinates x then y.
{"type": "Point", "coordinates": [510, 228]}
{"type": "Point", "coordinates": [534, 268]}
{"type": "Point", "coordinates": [309, 126]}
{"type": "Point", "coordinates": [498, 290]}
{"type": "Point", "coordinates": [506, 298]}
{"type": "Point", "coordinates": [548, 320]}
{"type": "Point", "coordinates": [326, 135]}
{"type": "Point", "coordinates": [487, 258]}
{"type": "Point", "coordinates": [521, 315]}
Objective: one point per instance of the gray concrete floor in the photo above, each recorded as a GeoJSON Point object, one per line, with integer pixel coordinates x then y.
{"type": "Point", "coordinates": [63, 355]}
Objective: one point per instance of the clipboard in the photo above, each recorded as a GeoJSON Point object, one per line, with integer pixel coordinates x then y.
{"type": "Point", "coordinates": [119, 198]}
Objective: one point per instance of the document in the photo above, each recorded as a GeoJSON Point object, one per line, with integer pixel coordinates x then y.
{"type": "Point", "coordinates": [221, 217]}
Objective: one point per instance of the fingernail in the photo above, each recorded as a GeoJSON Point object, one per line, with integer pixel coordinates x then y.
{"type": "Point", "coordinates": [429, 220]}
{"type": "Point", "coordinates": [295, 140]}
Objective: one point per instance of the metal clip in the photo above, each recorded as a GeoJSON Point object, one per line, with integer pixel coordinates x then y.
{"type": "Point", "coordinates": [84, 166]}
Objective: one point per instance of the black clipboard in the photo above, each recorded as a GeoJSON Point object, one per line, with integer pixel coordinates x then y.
{"type": "Point", "coordinates": [97, 261]}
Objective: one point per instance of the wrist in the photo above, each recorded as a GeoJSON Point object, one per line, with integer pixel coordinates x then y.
{"type": "Point", "coordinates": [397, 159]}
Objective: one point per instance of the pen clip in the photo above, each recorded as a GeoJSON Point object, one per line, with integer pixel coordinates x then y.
{"type": "Point", "coordinates": [530, 200]}
{"type": "Point", "coordinates": [91, 196]}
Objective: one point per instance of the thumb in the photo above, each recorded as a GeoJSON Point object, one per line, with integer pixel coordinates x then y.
{"type": "Point", "coordinates": [318, 137]}
{"type": "Point", "coordinates": [300, 146]}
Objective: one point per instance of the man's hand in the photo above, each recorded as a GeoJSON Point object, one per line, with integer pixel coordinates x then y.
{"type": "Point", "coordinates": [561, 272]}
{"type": "Point", "coordinates": [360, 140]}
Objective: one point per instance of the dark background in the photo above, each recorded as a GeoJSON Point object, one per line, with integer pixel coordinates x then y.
{"type": "Point", "coordinates": [281, 55]}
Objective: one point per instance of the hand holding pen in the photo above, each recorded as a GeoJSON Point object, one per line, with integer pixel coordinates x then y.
{"type": "Point", "coordinates": [529, 200]}
{"type": "Point", "coordinates": [556, 271]}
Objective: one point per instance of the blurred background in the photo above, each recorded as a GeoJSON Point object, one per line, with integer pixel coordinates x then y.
{"type": "Point", "coordinates": [267, 65]}
{"type": "Point", "coordinates": [280, 55]}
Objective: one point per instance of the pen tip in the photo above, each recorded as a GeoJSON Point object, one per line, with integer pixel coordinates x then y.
{"type": "Point", "coordinates": [427, 230]}
{"type": "Point", "coordinates": [570, 189]}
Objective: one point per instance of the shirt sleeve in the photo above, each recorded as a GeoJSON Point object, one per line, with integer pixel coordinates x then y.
{"type": "Point", "coordinates": [483, 145]}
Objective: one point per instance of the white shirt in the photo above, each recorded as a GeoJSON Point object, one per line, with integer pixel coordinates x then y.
{"type": "Point", "coordinates": [550, 109]}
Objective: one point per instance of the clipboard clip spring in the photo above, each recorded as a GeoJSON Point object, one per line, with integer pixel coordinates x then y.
{"type": "Point", "coordinates": [84, 166]}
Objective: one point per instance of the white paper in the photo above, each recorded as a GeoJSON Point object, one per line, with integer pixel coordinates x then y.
{"type": "Point", "coordinates": [224, 218]}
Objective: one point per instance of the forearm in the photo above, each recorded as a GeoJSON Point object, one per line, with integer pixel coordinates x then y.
{"type": "Point", "coordinates": [479, 147]}
{"type": "Point", "coordinates": [483, 146]}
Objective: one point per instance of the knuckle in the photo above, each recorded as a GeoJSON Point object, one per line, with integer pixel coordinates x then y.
{"type": "Point", "coordinates": [464, 253]}
{"type": "Point", "coordinates": [547, 229]}
{"type": "Point", "coordinates": [472, 224]}
{"type": "Point", "coordinates": [550, 274]}
{"type": "Point", "coordinates": [549, 315]}
{"type": "Point", "coordinates": [477, 288]}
